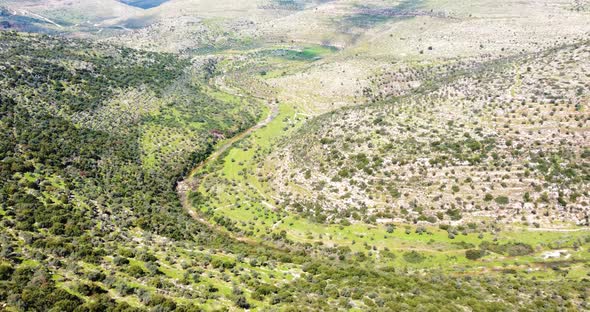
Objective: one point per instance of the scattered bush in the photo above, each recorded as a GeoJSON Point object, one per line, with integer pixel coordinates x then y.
{"type": "Point", "coordinates": [474, 254]}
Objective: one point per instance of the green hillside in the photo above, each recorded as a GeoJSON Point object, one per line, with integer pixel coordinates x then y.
{"type": "Point", "coordinates": [294, 155]}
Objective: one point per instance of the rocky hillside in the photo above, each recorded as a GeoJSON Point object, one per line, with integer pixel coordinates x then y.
{"type": "Point", "coordinates": [503, 140]}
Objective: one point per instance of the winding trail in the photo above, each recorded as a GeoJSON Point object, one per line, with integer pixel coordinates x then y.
{"type": "Point", "coordinates": [274, 111]}
{"type": "Point", "coordinates": [41, 17]}
{"type": "Point", "coordinates": [191, 182]}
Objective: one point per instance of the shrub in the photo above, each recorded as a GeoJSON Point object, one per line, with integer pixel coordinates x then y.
{"type": "Point", "coordinates": [242, 302]}
{"type": "Point", "coordinates": [390, 228]}
{"type": "Point", "coordinates": [96, 276]}
{"type": "Point", "coordinates": [511, 249]}
{"type": "Point", "coordinates": [432, 219]}
{"type": "Point", "coordinates": [413, 257]}
{"type": "Point", "coordinates": [162, 303]}
{"type": "Point", "coordinates": [527, 197]}
{"type": "Point", "coordinates": [120, 261]}
{"type": "Point", "coordinates": [454, 214]}
{"type": "Point", "coordinates": [90, 289]}
{"type": "Point", "coordinates": [136, 271]}
{"type": "Point", "coordinates": [5, 271]}
{"type": "Point", "coordinates": [474, 254]}
{"type": "Point", "coordinates": [519, 249]}
{"type": "Point", "coordinates": [501, 200]}
{"type": "Point", "coordinates": [388, 254]}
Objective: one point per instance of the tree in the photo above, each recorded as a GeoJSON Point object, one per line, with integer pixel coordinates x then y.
{"type": "Point", "coordinates": [501, 200]}
{"type": "Point", "coordinates": [242, 302]}
{"type": "Point", "coordinates": [474, 254]}
{"type": "Point", "coordinates": [413, 257]}
{"type": "Point", "coordinates": [5, 271]}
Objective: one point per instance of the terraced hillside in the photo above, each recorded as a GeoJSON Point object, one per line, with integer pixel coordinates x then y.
{"type": "Point", "coordinates": [505, 140]}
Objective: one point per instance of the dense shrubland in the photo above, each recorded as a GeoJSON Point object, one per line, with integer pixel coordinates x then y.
{"type": "Point", "coordinates": [51, 161]}
{"type": "Point", "coordinates": [73, 176]}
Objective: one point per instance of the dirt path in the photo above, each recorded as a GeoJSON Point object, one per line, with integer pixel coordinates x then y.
{"type": "Point", "coordinates": [191, 182]}
{"type": "Point", "coordinates": [228, 143]}
{"type": "Point", "coordinates": [41, 17]}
